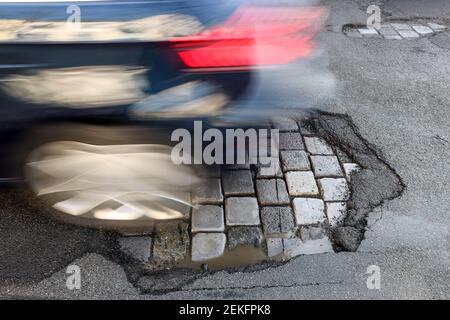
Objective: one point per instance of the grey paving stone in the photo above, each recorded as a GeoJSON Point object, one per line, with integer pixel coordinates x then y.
{"type": "Point", "coordinates": [206, 246]}
{"type": "Point", "coordinates": [274, 247]}
{"type": "Point", "coordinates": [353, 33]}
{"type": "Point", "coordinates": [241, 211]}
{"type": "Point", "coordinates": [401, 26]}
{"type": "Point", "coordinates": [309, 211]}
{"type": "Point", "coordinates": [336, 212]}
{"type": "Point", "coordinates": [212, 171]}
{"type": "Point", "coordinates": [291, 141]}
{"type": "Point", "coordinates": [350, 168]}
{"type": "Point", "coordinates": [342, 156]}
{"type": "Point", "coordinates": [277, 221]}
{"type": "Point", "coordinates": [271, 192]}
{"type": "Point", "coordinates": [305, 129]}
{"type": "Point", "coordinates": [287, 222]}
{"type": "Point", "coordinates": [334, 189]}
{"type": "Point", "coordinates": [171, 243]}
{"type": "Point", "coordinates": [137, 247]}
{"type": "Point", "coordinates": [244, 236]}
{"type": "Point", "coordinates": [207, 218]}
{"type": "Point", "coordinates": [317, 146]}
{"type": "Point", "coordinates": [210, 191]}
{"type": "Point", "coordinates": [295, 160]}
{"type": "Point", "coordinates": [283, 196]}
{"type": "Point", "coordinates": [270, 171]}
{"type": "Point", "coordinates": [312, 233]}
{"type": "Point", "coordinates": [237, 182]}
{"type": "Point", "coordinates": [266, 190]}
{"type": "Point", "coordinates": [389, 32]}
{"type": "Point", "coordinates": [301, 183]}
{"type": "Point", "coordinates": [368, 32]}
{"type": "Point", "coordinates": [408, 34]}
{"type": "Point", "coordinates": [285, 124]}
{"type": "Point", "coordinates": [295, 247]}
{"type": "Point", "coordinates": [436, 26]}
{"type": "Point", "coordinates": [238, 166]}
{"type": "Point", "coordinates": [423, 30]}
{"type": "Point", "coordinates": [270, 217]}
{"type": "Point", "coordinates": [326, 166]}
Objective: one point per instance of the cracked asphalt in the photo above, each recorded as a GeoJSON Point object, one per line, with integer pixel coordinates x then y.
{"type": "Point", "coordinates": [396, 94]}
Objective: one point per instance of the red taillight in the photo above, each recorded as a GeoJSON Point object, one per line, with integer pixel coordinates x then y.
{"type": "Point", "coordinates": [253, 36]}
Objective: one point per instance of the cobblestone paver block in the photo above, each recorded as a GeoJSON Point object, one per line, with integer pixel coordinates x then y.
{"type": "Point", "coordinates": [291, 141]}
{"type": "Point", "coordinates": [408, 34]}
{"type": "Point", "coordinates": [423, 30]}
{"type": "Point", "coordinates": [326, 166]}
{"type": "Point", "coordinates": [301, 183]}
{"type": "Point", "coordinates": [206, 246]}
{"type": "Point", "coordinates": [295, 160]}
{"type": "Point", "coordinates": [311, 233]}
{"type": "Point", "coordinates": [137, 247]}
{"type": "Point", "coordinates": [317, 146]}
{"type": "Point", "coordinates": [171, 243]}
{"type": "Point", "coordinates": [401, 26]}
{"type": "Point", "coordinates": [271, 170]}
{"type": "Point", "coordinates": [283, 196]}
{"type": "Point", "coordinates": [270, 217]}
{"type": "Point", "coordinates": [389, 32]}
{"type": "Point", "coordinates": [368, 32]}
{"type": "Point", "coordinates": [436, 26]}
{"type": "Point", "coordinates": [209, 191]}
{"type": "Point", "coordinates": [244, 166]}
{"type": "Point", "coordinates": [251, 236]}
{"type": "Point", "coordinates": [334, 189]}
{"type": "Point", "coordinates": [350, 168]}
{"type": "Point", "coordinates": [309, 211]}
{"type": "Point", "coordinates": [271, 192]}
{"type": "Point", "coordinates": [285, 124]}
{"type": "Point", "coordinates": [277, 221]}
{"type": "Point", "coordinates": [295, 247]}
{"type": "Point", "coordinates": [241, 211]}
{"type": "Point", "coordinates": [353, 33]}
{"type": "Point", "coordinates": [336, 212]}
{"type": "Point", "coordinates": [207, 218]}
{"type": "Point", "coordinates": [237, 182]}
{"type": "Point", "coordinates": [305, 128]}
{"type": "Point", "coordinates": [274, 247]}
{"type": "Point", "coordinates": [342, 156]}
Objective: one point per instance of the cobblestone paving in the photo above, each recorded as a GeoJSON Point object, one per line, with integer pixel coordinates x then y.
{"type": "Point", "coordinates": [397, 30]}
{"type": "Point", "coordinates": [285, 209]}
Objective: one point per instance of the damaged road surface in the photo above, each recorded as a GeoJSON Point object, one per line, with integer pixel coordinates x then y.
{"type": "Point", "coordinates": [160, 263]}
{"type": "Point", "coordinates": [390, 116]}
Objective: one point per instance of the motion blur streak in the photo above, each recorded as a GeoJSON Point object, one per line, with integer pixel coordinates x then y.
{"type": "Point", "coordinates": [83, 87]}
{"type": "Point", "coordinates": [139, 178]}
{"type": "Point", "coordinates": [253, 36]}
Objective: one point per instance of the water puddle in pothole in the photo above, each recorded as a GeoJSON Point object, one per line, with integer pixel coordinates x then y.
{"type": "Point", "coordinates": [241, 256]}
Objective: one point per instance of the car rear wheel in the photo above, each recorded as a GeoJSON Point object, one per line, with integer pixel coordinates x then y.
{"type": "Point", "coordinates": [113, 181]}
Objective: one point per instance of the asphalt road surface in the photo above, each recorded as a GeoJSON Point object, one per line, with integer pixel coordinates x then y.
{"type": "Point", "coordinates": [397, 94]}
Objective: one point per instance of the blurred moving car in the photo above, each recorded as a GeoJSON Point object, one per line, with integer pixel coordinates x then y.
{"type": "Point", "coordinates": [91, 90]}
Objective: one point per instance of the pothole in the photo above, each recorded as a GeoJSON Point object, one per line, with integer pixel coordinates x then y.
{"type": "Point", "coordinates": [314, 199]}
{"type": "Point", "coordinates": [396, 29]}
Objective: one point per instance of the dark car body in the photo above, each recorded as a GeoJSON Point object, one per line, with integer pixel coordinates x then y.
{"type": "Point", "coordinates": [118, 72]}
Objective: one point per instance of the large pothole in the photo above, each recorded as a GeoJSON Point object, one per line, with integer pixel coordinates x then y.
{"type": "Point", "coordinates": [314, 200]}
